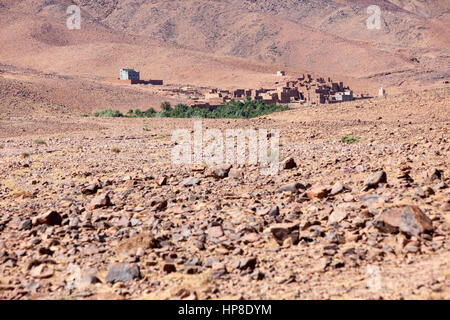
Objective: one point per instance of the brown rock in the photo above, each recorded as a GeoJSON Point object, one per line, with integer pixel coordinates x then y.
{"type": "Point", "coordinates": [246, 263]}
{"type": "Point", "coordinates": [282, 231]}
{"type": "Point", "coordinates": [405, 218]}
{"type": "Point", "coordinates": [292, 187]}
{"type": "Point", "coordinates": [289, 163]}
{"type": "Point", "coordinates": [215, 232]}
{"type": "Point", "coordinates": [42, 271]}
{"type": "Point", "coordinates": [318, 191]}
{"type": "Point", "coordinates": [122, 272]}
{"type": "Point", "coordinates": [219, 172]}
{"type": "Point", "coordinates": [162, 181]}
{"type": "Point", "coordinates": [337, 188]}
{"type": "Point", "coordinates": [50, 218]}
{"type": "Point", "coordinates": [100, 201]}
{"type": "Point", "coordinates": [92, 188]}
{"type": "Point", "coordinates": [235, 173]}
{"type": "Point", "coordinates": [375, 179]}
{"type": "Point", "coordinates": [337, 216]}
{"type": "Point", "coordinates": [169, 268]}
{"type": "Point", "coordinates": [250, 237]}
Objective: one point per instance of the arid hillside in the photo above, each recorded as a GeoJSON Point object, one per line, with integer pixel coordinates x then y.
{"type": "Point", "coordinates": [226, 43]}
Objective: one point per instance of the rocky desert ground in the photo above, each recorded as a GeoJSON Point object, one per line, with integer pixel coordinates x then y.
{"type": "Point", "coordinates": [95, 208]}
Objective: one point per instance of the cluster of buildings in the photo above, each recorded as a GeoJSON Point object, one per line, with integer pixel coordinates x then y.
{"type": "Point", "coordinates": [302, 90]}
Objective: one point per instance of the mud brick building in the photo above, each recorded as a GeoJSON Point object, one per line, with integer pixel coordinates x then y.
{"type": "Point", "coordinates": [304, 89]}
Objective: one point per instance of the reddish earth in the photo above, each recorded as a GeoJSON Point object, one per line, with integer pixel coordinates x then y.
{"type": "Point", "coordinates": [94, 208]}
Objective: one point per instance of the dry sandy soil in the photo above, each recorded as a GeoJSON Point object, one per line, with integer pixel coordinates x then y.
{"type": "Point", "coordinates": [94, 208]}
{"type": "Point", "coordinates": [231, 234]}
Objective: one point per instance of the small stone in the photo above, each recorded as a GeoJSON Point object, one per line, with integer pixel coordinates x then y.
{"type": "Point", "coordinates": [235, 174]}
{"type": "Point", "coordinates": [169, 268]}
{"type": "Point", "coordinates": [274, 212]}
{"type": "Point", "coordinates": [289, 163]}
{"type": "Point", "coordinates": [375, 179]}
{"type": "Point", "coordinates": [74, 223]}
{"type": "Point", "coordinates": [436, 174]}
{"type": "Point", "coordinates": [162, 181]}
{"type": "Point", "coordinates": [26, 224]}
{"type": "Point", "coordinates": [318, 191]}
{"type": "Point", "coordinates": [425, 192]}
{"type": "Point", "coordinates": [218, 270]}
{"type": "Point", "coordinates": [42, 271]}
{"type": "Point", "coordinates": [50, 218]}
{"type": "Point", "coordinates": [188, 182]}
{"type": "Point", "coordinates": [215, 232]}
{"type": "Point", "coordinates": [405, 218]}
{"type": "Point", "coordinates": [293, 187]}
{"type": "Point", "coordinates": [337, 216]}
{"type": "Point", "coordinates": [219, 172]}
{"type": "Point", "coordinates": [92, 188]}
{"type": "Point", "coordinates": [282, 231]}
{"type": "Point", "coordinates": [122, 272]}
{"type": "Point", "coordinates": [337, 188]}
{"type": "Point", "coordinates": [89, 277]}
{"type": "Point", "coordinates": [158, 204]}
{"type": "Point", "coordinates": [247, 263]}
{"type": "Point", "coordinates": [100, 201]}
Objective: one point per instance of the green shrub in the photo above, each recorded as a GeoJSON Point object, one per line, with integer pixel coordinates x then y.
{"type": "Point", "coordinates": [40, 141]}
{"type": "Point", "coordinates": [108, 113]}
{"type": "Point", "coordinates": [166, 105]}
{"type": "Point", "coordinates": [232, 109]}
{"type": "Point", "coordinates": [349, 139]}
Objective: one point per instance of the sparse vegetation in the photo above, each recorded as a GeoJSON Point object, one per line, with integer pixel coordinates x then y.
{"type": "Point", "coordinates": [349, 139]}
{"type": "Point", "coordinates": [233, 109]}
{"type": "Point", "coordinates": [40, 142]}
{"type": "Point", "coordinates": [108, 113]}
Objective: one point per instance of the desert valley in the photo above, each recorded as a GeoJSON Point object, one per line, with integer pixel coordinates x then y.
{"type": "Point", "coordinates": [92, 205]}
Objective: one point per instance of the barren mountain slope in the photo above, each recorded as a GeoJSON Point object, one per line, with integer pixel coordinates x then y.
{"type": "Point", "coordinates": [227, 44]}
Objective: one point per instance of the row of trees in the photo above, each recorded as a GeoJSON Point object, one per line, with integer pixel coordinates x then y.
{"type": "Point", "coordinates": [233, 109]}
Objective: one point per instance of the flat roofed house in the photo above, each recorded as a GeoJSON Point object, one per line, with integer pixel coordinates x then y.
{"type": "Point", "coordinates": [129, 74]}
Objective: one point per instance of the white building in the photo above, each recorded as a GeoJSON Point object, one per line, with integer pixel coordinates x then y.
{"type": "Point", "coordinates": [129, 74]}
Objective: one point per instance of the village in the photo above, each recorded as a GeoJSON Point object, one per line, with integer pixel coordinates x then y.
{"type": "Point", "coordinates": [304, 90]}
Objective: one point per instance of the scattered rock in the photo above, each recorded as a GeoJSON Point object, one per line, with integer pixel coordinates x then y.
{"type": "Point", "coordinates": [188, 182]}
{"type": "Point", "coordinates": [215, 232]}
{"type": "Point", "coordinates": [337, 216]}
{"type": "Point", "coordinates": [26, 224]}
{"type": "Point", "coordinates": [337, 188]}
{"type": "Point", "coordinates": [219, 172]}
{"type": "Point", "coordinates": [100, 201]}
{"type": "Point", "coordinates": [246, 263]}
{"type": "Point", "coordinates": [288, 163]}
{"type": "Point", "coordinates": [122, 272]}
{"type": "Point", "coordinates": [292, 187]}
{"type": "Point", "coordinates": [169, 268]}
{"type": "Point", "coordinates": [375, 179]}
{"type": "Point", "coordinates": [283, 231]}
{"type": "Point", "coordinates": [318, 191]}
{"type": "Point", "coordinates": [50, 218]}
{"type": "Point", "coordinates": [405, 218]}
{"type": "Point", "coordinates": [91, 188]}
{"type": "Point", "coordinates": [42, 271]}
